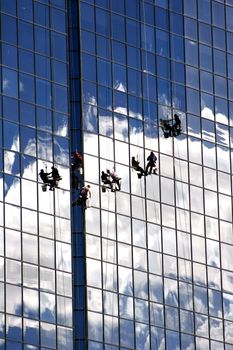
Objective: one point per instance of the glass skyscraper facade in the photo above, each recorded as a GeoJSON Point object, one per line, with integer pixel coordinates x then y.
{"type": "Point", "coordinates": [151, 265]}
{"type": "Point", "coordinates": [153, 262]}
{"type": "Point", "coordinates": [35, 230]}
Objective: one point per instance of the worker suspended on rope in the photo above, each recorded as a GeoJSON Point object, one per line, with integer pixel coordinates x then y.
{"type": "Point", "coordinates": [136, 166]}
{"type": "Point", "coordinates": [166, 127]}
{"type": "Point", "coordinates": [77, 161]}
{"type": "Point", "coordinates": [176, 125]}
{"type": "Point", "coordinates": [50, 179]}
{"type": "Point", "coordinates": [151, 165]}
{"type": "Point", "coordinates": [85, 195]}
{"type": "Point", "coordinates": [76, 169]}
{"type": "Point", "coordinates": [45, 178]}
{"type": "Point", "coordinates": [107, 180]}
{"type": "Point", "coordinates": [55, 177]}
{"type": "Point", "coordinates": [115, 178]}
{"type": "Point", "coordinates": [171, 130]}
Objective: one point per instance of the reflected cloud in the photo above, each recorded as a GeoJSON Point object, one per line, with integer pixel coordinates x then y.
{"type": "Point", "coordinates": [126, 306]}
{"type": "Point", "coordinates": [62, 130]}
{"type": "Point", "coordinates": [201, 325]}
{"type": "Point", "coordinates": [216, 329]}
{"type": "Point", "coordinates": [94, 299]}
{"type": "Point", "coordinates": [123, 203]}
{"type": "Point", "coordinates": [13, 300]}
{"type": "Point", "coordinates": [141, 310]}
{"type": "Point", "coordinates": [121, 110]}
{"type": "Point", "coordinates": [44, 146]}
{"type": "Point", "coordinates": [200, 300]}
{"type": "Point", "coordinates": [109, 250]}
{"type": "Point", "coordinates": [163, 99]}
{"type": "Point", "coordinates": [109, 277]}
{"type": "Point", "coordinates": [213, 253]}
{"type": "Point", "coordinates": [143, 336]}
{"type": "Point", "coordinates": [93, 273]}
{"type": "Point", "coordinates": [64, 311]}
{"type": "Point", "coordinates": [95, 328]}
{"type": "Point", "coordinates": [222, 118]}
{"type": "Point", "coordinates": [47, 279]}
{"type": "Point", "coordinates": [21, 86]}
{"type": "Point", "coordinates": [31, 304]}
{"type": "Point", "coordinates": [207, 113]}
{"type": "Point", "coordinates": [111, 330]}
{"type": "Point", "coordinates": [228, 332]}
{"type": "Point", "coordinates": [63, 257]}
{"type": "Point", "coordinates": [13, 327]}
{"type": "Point", "coordinates": [208, 135]}
{"type": "Point", "coordinates": [222, 134]}
{"type": "Point", "coordinates": [12, 217]}
{"type": "Point", "coordinates": [65, 338]}
{"type": "Point", "coordinates": [15, 143]}
{"type": "Point", "coordinates": [118, 85]}
{"type": "Point", "coordinates": [47, 307]}
{"type": "Point", "coordinates": [5, 83]}
{"type": "Point", "coordinates": [30, 148]}
{"type": "Point", "coordinates": [121, 128]}
{"type": "Point", "coordinates": [12, 190]}
{"type": "Point", "coordinates": [136, 132]}
{"type": "Point", "coordinates": [170, 292]}
{"type": "Point", "coordinates": [125, 281]}
{"type": "Point", "coordinates": [62, 153]}
{"type": "Point", "coordinates": [106, 125]}
{"type": "Point", "coordinates": [90, 116]}
{"type": "Point", "coordinates": [9, 160]}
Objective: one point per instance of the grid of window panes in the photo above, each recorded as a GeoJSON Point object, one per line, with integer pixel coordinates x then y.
{"type": "Point", "coordinates": [159, 267]}
{"type": "Point", "coordinates": [35, 238]}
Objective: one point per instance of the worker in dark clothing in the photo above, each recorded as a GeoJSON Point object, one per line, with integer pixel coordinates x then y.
{"type": "Point", "coordinates": [77, 161]}
{"type": "Point", "coordinates": [115, 178]}
{"type": "Point", "coordinates": [45, 178]}
{"type": "Point", "coordinates": [76, 169]}
{"type": "Point", "coordinates": [106, 179]}
{"type": "Point", "coordinates": [55, 176]}
{"type": "Point", "coordinates": [171, 130]}
{"type": "Point", "coordinates": [151, 163]}
{"type": "Point", "coordinates": [166, 127]}
{"type": "Point", "coordinates": [176, 125]}
{"type": "Point", "coordinates": [136, 166]}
